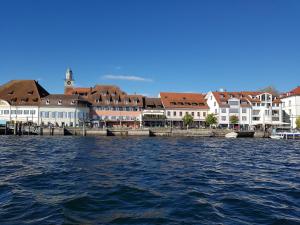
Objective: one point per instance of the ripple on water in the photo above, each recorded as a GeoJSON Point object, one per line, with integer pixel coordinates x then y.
{"type": "Point", "coordinates": [105, 180]}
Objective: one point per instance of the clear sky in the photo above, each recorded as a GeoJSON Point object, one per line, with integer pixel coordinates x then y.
{"type": "Point", "coordinates": [148, 46]}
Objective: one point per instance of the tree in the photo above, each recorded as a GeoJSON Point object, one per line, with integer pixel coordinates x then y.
{"type": "Point", "coordinates": [211, 119]}
{"type": "Point", "coordinates": [234, 119]}
{"type": "Point", "coordinates": [298, 123]}
{"type": "Point", "coordinates": [188, 120]}
{"type": "Point", "coordinates": [270, 89]}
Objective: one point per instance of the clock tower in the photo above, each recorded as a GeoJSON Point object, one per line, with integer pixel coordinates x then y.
{"type": "Point", "coordinates": [69, 81]}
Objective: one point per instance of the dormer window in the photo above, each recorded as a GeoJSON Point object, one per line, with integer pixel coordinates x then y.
{"type": "Point", "coordinates": [73, 102]}
{"type": "Point", "coordinates": [59, 102]}
{"type": "Point", "coordinates": [30, 92]}
{"type": "Point", "coordinates": [47, 102]}
{"type": "Point", "coordinates": [11, 92]}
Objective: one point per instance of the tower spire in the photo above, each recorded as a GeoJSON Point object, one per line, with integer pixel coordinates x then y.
{"type": "Point", "coordinates": [69, 80]}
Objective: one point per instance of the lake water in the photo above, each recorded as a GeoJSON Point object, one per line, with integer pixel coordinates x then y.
{"type": "Point", "coordinates": [115, 180]}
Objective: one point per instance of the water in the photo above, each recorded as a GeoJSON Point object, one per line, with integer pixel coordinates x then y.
{"type": "Point", "coordinates": [111, 180]}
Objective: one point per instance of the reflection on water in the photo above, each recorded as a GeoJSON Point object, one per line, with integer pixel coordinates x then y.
{"type": "Point", "coordinates": [112, 180]}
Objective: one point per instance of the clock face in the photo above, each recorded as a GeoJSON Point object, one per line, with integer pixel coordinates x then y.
{"type": "Point", "coordinates": [69, 82]}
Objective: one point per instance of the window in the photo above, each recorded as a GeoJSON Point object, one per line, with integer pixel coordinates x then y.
{"type": "Point", "coordinates": [169, 113]}
{"type": "Point", "coordinates": [198, 114]}
{"type": "Point", "coordinates": [13, 111]}
{"type": "Point", "coordinates": [1, 112]}
{"type": "Point", "coordinates": [32, 112]}
{"type": "Point", "coordinates": [180, 113]}
{"type": "Point", "coordinates": [47, 102]}
{"type": "Point", "coordinates": [223, 110]}
{"type": "Point", "coordinates": [46, 115]}
{"type": "Point", "coordinates": [223, 118]}
{"type": "Point", "coordinates": [26, 112]}
{"type": "Point", "coordinates": [19, 112]}
{"type": "Point", "coordinates": [290, 103]}
{"type": "Point", "coordinates": [60, 115]}
{"type": "Point", "coordinates": [233, 110]}
{"type": "Point", "coordinates": [266, 112]}
{"type": "Point", "coordinates": [5, 112]}
{"type": "Point", "coordinates": [174, 113]}
{"type": "Point", "coordinates": [244, 110]}
{"type": "Point", "coordinates": [193, 113]}
{"type": "Point", "coordinates": [204, 114]}
{"type": "Point", "coordinates": [244, 118]}
{"type": "Point", "coordinates": [53, 114]}
{"type": "Point", "coordinates": [233, 102]}
{"type": "Point", "coordinates": [59, 102]}
{"type": "Point", "coordinates": [216, 111]}
{"type": "Point", "coordinates": [70, 115]}
{"type": "Point", "coordinates": [215, 103]}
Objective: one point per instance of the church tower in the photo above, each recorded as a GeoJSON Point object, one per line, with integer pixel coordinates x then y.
{"type": "Point", "coordinates": [69, 81]}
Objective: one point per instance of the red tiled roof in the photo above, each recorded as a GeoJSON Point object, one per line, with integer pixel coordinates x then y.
{"type": "Point", "coordinates": [244, 96]}
{"type": "Point", "coordinates": [183, 100]}
{"type": "Point", "coordinates": [294, 92]}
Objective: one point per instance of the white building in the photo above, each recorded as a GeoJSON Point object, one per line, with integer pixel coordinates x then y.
{"type": "Point", "coordinates": [20, 100]}
{"type": "Point", "coordinates": [291, 106]}
{"type": "Point", "coordinates": [253, 109]}
{"type": "Point", "coordinates": [27, 101]}
{"type": "Point", "coordinates": [177, 105]}
{"type": "Point", "coordinates": [63, 110]}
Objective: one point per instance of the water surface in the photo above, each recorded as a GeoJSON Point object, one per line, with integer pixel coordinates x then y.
{"type": "Point", "coordinates": [115, 180]}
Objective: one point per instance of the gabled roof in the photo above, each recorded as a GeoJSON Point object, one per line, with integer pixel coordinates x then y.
{"type": "Point", "coordinates": [153, 103]}
{"type": "Point", "coordinates": [22, 92]}
{"type": "Point", "coordinates": [183, 100]}
{"type": "Point", "coordinates": [246, 97]}
{"type": "Point", "coordinates": [294, 92]}
{"type": "Point", "coordinates": [107, 95]}
{"type": "Point", "coordinates": [63, 100]}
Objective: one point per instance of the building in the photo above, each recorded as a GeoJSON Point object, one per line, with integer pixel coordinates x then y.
{"type": "Point", "coordinates": [177, 105]}
{"type": "Point", "coordinates": [291, 106]}
{"type": "Point", "coordinates": [20, 101]}
{"type": "Point", "coordinates": [63, 110]}
{"type": "Point", "coordinates": [109, 105]}
{"type": "Point", "coordinates": [153, 113]}
{"type": "Point", "coordinates": [253, 109]}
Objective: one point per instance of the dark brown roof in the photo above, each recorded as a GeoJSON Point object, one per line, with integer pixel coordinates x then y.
{"type": "Point", "coordinates": [183, 100]}
{"type": "Point", "coordinates": [63, 100]}
{"type": "Point", "coordinates": [107, 95]}
{"type": "Point", "coordinates": [22, 92]}
{"type": "Point", "coordinates": [153, 103]}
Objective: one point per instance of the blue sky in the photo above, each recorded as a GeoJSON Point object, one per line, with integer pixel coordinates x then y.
{"type": "Point", "coordinates": [152, 46]}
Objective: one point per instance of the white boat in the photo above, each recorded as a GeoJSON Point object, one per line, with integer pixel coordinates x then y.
{"type": "Point", "coordinates": [231, 135]}
{"type": "Point", "coordinates": [275, 136]}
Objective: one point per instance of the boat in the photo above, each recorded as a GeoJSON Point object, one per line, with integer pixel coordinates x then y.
{"type": "Point", "coordinates": [276, 136]}
{"type": "Point", "coordinates": [231, 135]}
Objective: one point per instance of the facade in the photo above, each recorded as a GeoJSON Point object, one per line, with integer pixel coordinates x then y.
{"type": "Point", "coordinates": [63, 110]}
{"type": "Point", "coordinates": [253, 109]}
{"type": "Point", "coordinates": [109, 105]}
{"type": "Point", "coordinates": [20, 101]}
{"type": "Point", "coordinates": [291, 106]}
{"type": "Point", "coordinates": [153, 113]}
{"type": "Point", "coordinates": [177, 105]}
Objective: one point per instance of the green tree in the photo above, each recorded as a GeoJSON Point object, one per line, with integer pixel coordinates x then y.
{"type": "Point", "coordinates": [211, 119]}
{"type": "Point", "coordinates": [188, 120]}
{"type": "Point", "coordinates": [298, 122]}
{"type": "Point", "coordinates": [234, 119]}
